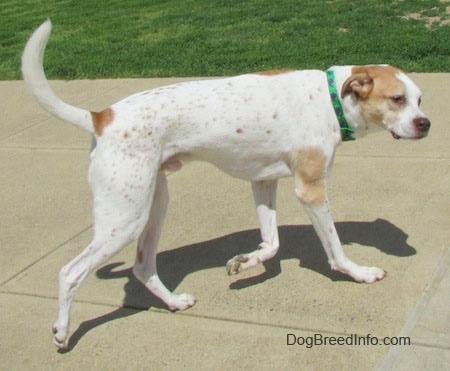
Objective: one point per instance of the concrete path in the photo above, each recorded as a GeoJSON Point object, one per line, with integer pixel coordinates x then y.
{"type": "Point", "coordinates": [390, 200]}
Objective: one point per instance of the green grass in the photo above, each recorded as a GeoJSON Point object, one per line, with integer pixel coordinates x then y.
{"type": "Point", "coordinates": [149, 38]}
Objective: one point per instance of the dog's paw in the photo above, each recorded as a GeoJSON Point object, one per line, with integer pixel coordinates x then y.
{"type": "Point", "coordinates": [369, 274]}
{"type": "Point", "coordinates": [234, 265]}
{"type": "Point", "coordinates": [181, 302]}
{"type": "Point", "coordinates": [60, 337]}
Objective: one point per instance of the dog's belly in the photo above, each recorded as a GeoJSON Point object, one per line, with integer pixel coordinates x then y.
{"type": "Point", "coordinates": [252, 169]}
{"type": "Point", "coordinates": [250, 155]}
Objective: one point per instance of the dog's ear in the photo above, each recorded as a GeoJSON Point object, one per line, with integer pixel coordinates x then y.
{"type": "Point", "coordinates": [361, 84]}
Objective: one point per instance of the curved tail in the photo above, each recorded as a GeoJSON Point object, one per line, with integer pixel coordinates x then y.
{"type": "Point", "coordinates": [37, 83]}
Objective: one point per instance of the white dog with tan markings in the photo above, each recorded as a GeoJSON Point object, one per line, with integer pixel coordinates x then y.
{"type": "Point", "coordinates": [258, 127]}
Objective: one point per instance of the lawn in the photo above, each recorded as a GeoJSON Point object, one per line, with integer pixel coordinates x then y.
{"type": "Point", "coordinates": [150, 38]}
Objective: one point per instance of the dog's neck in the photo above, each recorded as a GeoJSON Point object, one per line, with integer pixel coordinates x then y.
{"type": "Point", "coordinates": [350, 103]}
{"type": "Point", "coordinates": [346, 130]}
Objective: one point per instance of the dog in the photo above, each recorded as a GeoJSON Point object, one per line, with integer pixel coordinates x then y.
{"type": "Point", "coordinates": [259, 127]}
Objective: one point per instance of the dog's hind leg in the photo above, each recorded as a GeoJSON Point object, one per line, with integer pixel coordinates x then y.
{"type": "Point", "coordinates": [121, 212]}
{"type": "Point", "coordinates": [264, 193]}
{"type": "Point", "coordinates": [145, 264]}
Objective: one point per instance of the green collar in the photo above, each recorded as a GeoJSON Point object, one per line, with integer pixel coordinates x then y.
{"type": "Point", "coordinates": [346, 131]}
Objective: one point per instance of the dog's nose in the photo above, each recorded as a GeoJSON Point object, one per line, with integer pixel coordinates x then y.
{"type": "Point", "coordinates": [422, 124]}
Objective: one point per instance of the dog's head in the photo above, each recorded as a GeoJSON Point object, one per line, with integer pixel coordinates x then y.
{"type": "Point", "coordinates": [386, 96]}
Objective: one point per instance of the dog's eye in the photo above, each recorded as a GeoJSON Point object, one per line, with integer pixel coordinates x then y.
{"type": "Point", "coordinates": [420, 101]}
{"type": "Point", "coordinates": [398, 99]}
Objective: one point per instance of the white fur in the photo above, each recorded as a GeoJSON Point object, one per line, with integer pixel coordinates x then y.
{"type": "Point", "coordinates": [37, 83]}
{"type": "Point", "coordinates": [254, 127]}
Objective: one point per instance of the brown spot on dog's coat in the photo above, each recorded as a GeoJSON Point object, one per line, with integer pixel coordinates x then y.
{"type": "Point", "coordinates": [239, 130]}
{"type": "Point", "coordinates": [102, 119]}
{"type": "Point", "coordinates": [272, 72]}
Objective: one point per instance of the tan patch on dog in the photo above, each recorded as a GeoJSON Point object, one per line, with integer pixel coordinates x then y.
{"type": "Point", "coordinates": [378, 81]}
{"type": "Point", "coordinates": [309, 168]}
{"type": "Point", "coordinates": [102, 119]}
{"type": "Point", "coordinates": [373, 85]}
{"type": "Point", "coordinates": [272, 72]}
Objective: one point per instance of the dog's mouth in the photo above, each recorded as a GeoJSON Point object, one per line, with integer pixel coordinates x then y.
{"type": "Point", "coordinates": [395, 136]}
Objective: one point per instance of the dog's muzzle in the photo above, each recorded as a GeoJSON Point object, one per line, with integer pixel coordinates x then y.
{"type": "Point", "coordinates": [421, 126]}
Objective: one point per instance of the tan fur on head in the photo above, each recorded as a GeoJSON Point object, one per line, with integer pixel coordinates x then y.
{"type": "Point", "coordinates": [360, 84]}
{"type": "Point", "coordinates": [363, 80]}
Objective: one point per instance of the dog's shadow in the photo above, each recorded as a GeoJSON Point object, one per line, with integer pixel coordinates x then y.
{"type": "Point", "coordinates": [296, 242]}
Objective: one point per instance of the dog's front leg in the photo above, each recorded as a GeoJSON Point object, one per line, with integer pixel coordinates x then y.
{"type": "Point", "coordinates": [264, 193]}
{"type": "Point", "coordinates": [310, 181]}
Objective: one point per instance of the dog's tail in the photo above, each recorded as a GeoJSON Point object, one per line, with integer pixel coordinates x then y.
{"type": "Point", "coordinates": [37, 83]}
